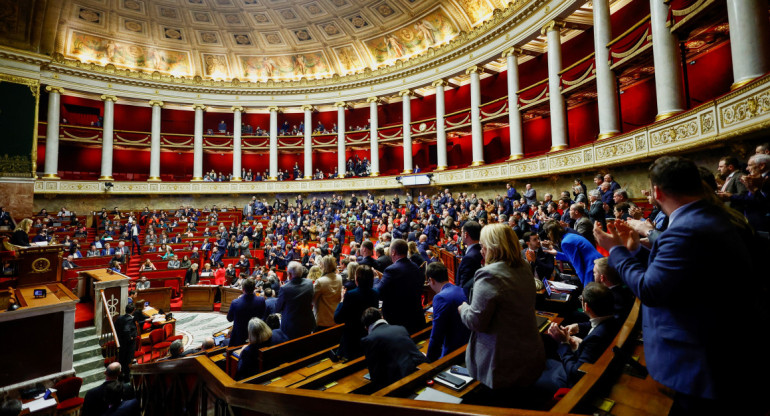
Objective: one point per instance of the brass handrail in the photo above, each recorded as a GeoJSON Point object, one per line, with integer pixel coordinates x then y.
{"type": "Point", "coordinates": [109, 318]}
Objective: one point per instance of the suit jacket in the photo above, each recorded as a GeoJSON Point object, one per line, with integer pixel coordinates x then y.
{"type": "Point", "coordinates": [191, 277]}
{"type": "Point", "coordinates": [448, 332]}
{"type": "Point", "coordinates": [505, 348]}
{"type": "Point", "coordinates": [295, 304]}
{"type": "Point", "coordinates": [349, 313]}
{"type": "Point", "coordinates": [382, 263]}
{"type": "Point", "coordinates": [581, 254]}
{"type": "Point", "coordinates": [531, 196]}
{"type": "Point", "coordinates": [401, 295]}
{"type": "Point", "coordinates": [242, 309]}
{"type": "Point", "coordinates": [390, 354]}
{"type": "Point", "coordinates": [469, 264]}
{"type": "Point", "coordinates": [686, 264]}
{"type": "Point", "coordinates": [368, 261]}
{"type": "Point", "coordinates": [93, 403]}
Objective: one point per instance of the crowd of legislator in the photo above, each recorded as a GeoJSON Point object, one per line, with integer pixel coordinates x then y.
{"type": "Point", "coordinates": [678, 260]}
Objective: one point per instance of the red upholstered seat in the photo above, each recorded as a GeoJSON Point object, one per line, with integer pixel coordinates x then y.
{"type": "Point", "coordinates": [169, 332]}
{"type": "Point", "coordinates": [157, 343]}
{"type": "Point", "coordinates": [67, 391]}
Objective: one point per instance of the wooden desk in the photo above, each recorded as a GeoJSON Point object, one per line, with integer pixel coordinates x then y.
{"type": "Point", "coordinates": [229, 294]}
{"type": "Point", "coordinates": [198, 298]}
{"type": "Point", "coordinates": [35, 264]}
{"type": "Point", "coordinates": [159, 298]}
{"type": "Point", "coordinates": [46, 328]}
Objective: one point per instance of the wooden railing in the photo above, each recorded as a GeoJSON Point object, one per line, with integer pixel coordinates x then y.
{"type": "Point", "coordinates": [108, 340]}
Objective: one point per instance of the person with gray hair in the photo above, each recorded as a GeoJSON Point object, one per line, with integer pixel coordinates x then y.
{"type": "Point", "coordinates": [295, 303]}
{"type": "Point", "coordinates": [596, 208]}
{"type": "Point", "coordinates": [755, 202]}
{"type": "Point", "coordinates": [248, 360]}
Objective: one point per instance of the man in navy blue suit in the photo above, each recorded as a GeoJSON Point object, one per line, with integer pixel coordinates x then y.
{"type": "Point", "coordinates": [244, 308]}
{"type": "Point", "coordinates": [471, 261]}
{"type": "Point", "coordinates": [448, 333]}
{"type": "Point", "coordinates": [692, 345]}
{"type": "Point", "coordinates": [367, 249]}
{"type": "Point", "coordinates": [598, 303]}
{"type": "Point", "coordinates": [295, 303]}
{"type": "Point", "coordinates": [401, 290]}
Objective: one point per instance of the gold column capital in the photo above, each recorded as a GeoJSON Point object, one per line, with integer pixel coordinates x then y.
{"type": "Point", "coordinates": [339, 104]}
{"type": "Point", "coordinates": [199, 107]}
{"type": "Point", "coordinates": [552, 25]}
{"type": "Point", "coordinates": [236, 108]}
{"type": "Point", "coordinates": [373, 100]}
{"type": "Point", "coordinates": [404, 93]}
{"type": "Point", "coordinates": [439, 83]}
{"type": "Point", "coordinates": [52, 88]}
{"type": "Point", "coordinates": [475, 69]}
{"type": "Point", "coordinates": [273, 108]}
{"type": "Point", "coordinates": [153, 103]}
{"type": "Point", "coordinates": [307, 107]}
{"type": "Point", "coordinates": [109, 97]}
{"type": "Point", "coordinates": [512, 51]}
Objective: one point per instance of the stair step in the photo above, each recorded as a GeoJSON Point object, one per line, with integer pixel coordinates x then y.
{"type": "Point", "coordinates": [90, 376]}
{"type": "Point", "coordinates": [86, 342]}
{"type": "Point", "coordinates": [86, 352]}
{"type": "Point", "coordinates": [89, 364]}
{"type": "Point", "coordinates": [89, 331]}
{"type": "Point", "coordinates": [86, 387]}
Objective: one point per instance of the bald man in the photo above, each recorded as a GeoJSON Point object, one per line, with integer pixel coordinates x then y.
{"type": "Point", "coordinates": [94, 403]}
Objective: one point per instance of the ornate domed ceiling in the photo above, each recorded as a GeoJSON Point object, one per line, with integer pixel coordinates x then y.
{"type": "Point", "coordinates": [256, 40]}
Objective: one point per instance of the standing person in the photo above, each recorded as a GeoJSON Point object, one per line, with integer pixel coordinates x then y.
{"type": "Point", "coordinates": [125, 327]}
{"type": "Point", "coordinates": [448, 332]}
{"type": "Point", "coordinates": [327, 294]}
{"type": "Point", "coordinates": [505, 352]}
{"type": "Point", "coordinates": [20, 235]}
{"type": "Point", "coordinates": [242, 309]}
{"type": "Point", "coordinates": [471, 261]}
{"type": "Point", "coordinates": [351, 309]}
{"type": "Point", "coordinates": [401, 290]}
{"type": "Point", "coordinates": [574, 249]}
{"type": "Point", "coordinates": [704, 243]}
{"type": "Point", "coordinates": [295, 303]}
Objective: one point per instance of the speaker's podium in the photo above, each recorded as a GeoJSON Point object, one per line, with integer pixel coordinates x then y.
{"type": "Point", "coordinates": [38, 337]}
{"type": "Point", "coordinates": [109, 290]}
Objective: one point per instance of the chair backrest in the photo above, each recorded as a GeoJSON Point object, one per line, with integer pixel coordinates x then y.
{"type": "Point", "coordinates": [156, 336]}
{"type": "Point", "coordinates": [68, 388]}
{"type": "Point", "coordinates": [168, 331]}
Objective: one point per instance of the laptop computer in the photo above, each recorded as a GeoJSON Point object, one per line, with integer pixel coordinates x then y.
{"type": "Point", "coordinates": [563, 297]}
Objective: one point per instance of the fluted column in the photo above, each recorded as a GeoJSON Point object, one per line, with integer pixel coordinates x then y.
{"type": "Point", "coordinates": [406, 105]}
{"type": "Point", "coordinates": [557, 105]}
{"type": "Point", "coordinates": [198, 143]}
{"type": "Point", "coordinates": [341, 139]}
{"type": "Point", "coordinates": [749, 43]}
{"type": "Point", "coordinates": [107, 127]}
{"type": "Point", "coordinates": [155, 141]}
{"type": "Point", "coordinates": [308, 109]}
{"type": "Point", "coordinates": [477, 133]}
{"type": "Point", "coordinates": [374, 136]}
{"type": "Point", "coordinates": [514, 115]}
{"type": "Point", "coordinates": [441, 158]}
{"type": "Point", "coordinates": [606, 86]}
{"type": "Point", "coordinates": [51, 169]}
{"type": "Point", "coordinates": [273, 143]}
{"type": "Point", "coordinates": [237, 111]}
{"type": "Point", "coordinates": [669, 86]}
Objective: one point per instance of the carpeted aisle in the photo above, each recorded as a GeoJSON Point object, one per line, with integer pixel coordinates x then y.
{"type": "Point", "coordinates": [84, 314]}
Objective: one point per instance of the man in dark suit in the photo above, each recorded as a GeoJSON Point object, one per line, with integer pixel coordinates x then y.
{"type": "Point", "coordinates": [383, 260]}
{"type": "Point", "coordinates": [126, 331]}
{"type": "Point", "coordinates": [294, 303]}
{"type": "Point", "coordinates": [573, 352]}
{"type": "Point", "coordinates": [582, 224]}
{"type": "Point", "coordinates": [704, 242]}
{"type": "Point", "coordinates": [94, 403]}
{"type": "Point", "coordinates": [390, 353]}
{"type": "Point", "coordinates": [448, 332]}
{"type": "Point", "coordinates": [401, 290]}
{"type": "Point", "coordinates": [471, 261]}
{"type": "Point", "coordinates": [755, 202]}
{"type": "Point", "coordinates": [367, 249]}
{"type": "Point", "coordinates": [244, 308]}
{"type": "Point", "coordinates": [541, 262]}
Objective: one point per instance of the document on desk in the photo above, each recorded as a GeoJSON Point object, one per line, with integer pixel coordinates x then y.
{"type": "Point", "coordinates": [561, 285]}
{"type": "Point", "coordinates": [39, 404]}
{"type": "Point", "coordinates": [433, 395]}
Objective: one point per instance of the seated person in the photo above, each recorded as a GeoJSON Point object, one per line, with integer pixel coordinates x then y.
{"type": "Point", "coordinates": [243, 264]}
{"type": "Point", "coordinates": [147, 266]}
{"type": "Point", "coordinates": [143, 283]}
{"type": "Point", "coordinates": [115, 266]}
{"type": "Point", "coordinates": [273, 320]}
{"type": "Point", "coordinates": [259, 336]}
{"type": "Point", "coordinates": [174, 262]}
{"type": "Point", "coordinates": [206, 345]}
{"type": "Point", "coordinates": [390, 353]}
{"type": "Point", "coordinates": [176, 350]}
{"type": "Point", "coordinates": [68, 264]}
{"type": "Point", "coordinates": [598, 303]}
{"type": "Point", "coordinates": [185, 263]}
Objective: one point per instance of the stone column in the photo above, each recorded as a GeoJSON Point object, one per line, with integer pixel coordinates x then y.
{"type": "Point", "coordinates": [51, 169]}
{"type": "Point", "coordinates": [441, 158]}
{"type": "Point", "coordinates": [107, 128]}
{"type": "Point", "coordinates": [308, 109]}
{"type": "Point", "coordinates": [198, 143]}
{"type": "Point", "coordinates": [477, 132]}
{"type": "Point", "coordinates": [155, 141]}
{"type": "Point", "coordinates": [374, 136]}
{"type": "Point", "coordinates": [514, 115]}
{"type": "Point", "coordinates": [749, 41]}
{"type": "Point", "coordinates": [406, 105]}
{"type": "Point", "coordinates": [341, 168]}
{"type": "Point", "coordinates": [557, 105]}
{"type": "Point", "coordinates": [237, 111]}
{"type": "Point", "coordinates": [273, 143]}
{"type": "Point", "coordinates": [606, 86]}
{"type": "Point", "coordinates": [669, 85]}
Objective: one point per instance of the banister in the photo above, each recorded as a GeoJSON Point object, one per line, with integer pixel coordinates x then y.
{"type": "Point", "coordinates": [627, 32]}
{"type": "Point", "coordinates": [109, 318]}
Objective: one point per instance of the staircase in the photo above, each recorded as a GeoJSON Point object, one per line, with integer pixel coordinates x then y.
{"type": "Point", "coordinates": [87, 359]}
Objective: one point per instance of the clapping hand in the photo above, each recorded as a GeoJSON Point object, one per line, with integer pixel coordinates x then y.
{"type": "Point", "coordinates": [558, 333]}
{"type": "Point", "coordinates": [620, 234]}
